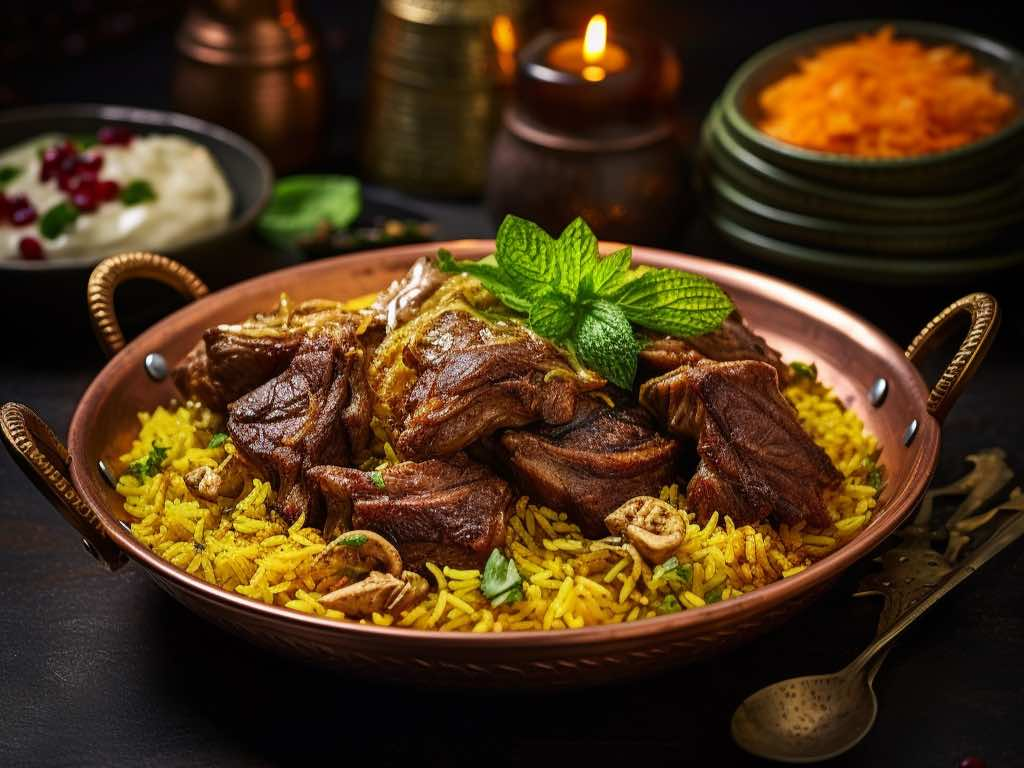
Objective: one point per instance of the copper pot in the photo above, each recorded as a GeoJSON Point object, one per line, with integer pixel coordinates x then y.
{"type": "Point", "coordinates": [852, 355]}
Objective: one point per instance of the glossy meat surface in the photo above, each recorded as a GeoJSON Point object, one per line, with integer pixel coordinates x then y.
{"type": "Point", "coordinates": [448, 511]}
{"type": "Point", "coordinates": [756, 458]}
{"type": "Point", "coordinates": [589, 466]}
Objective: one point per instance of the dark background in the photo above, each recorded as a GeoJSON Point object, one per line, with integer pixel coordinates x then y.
{"type": "Point", "coordinates": [98, 669]}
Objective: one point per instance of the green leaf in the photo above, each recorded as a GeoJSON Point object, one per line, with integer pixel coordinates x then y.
{"type": "Point", "coordinates": [552, 316]}
{"type": "Point", "coordinates": [8, 173]}
{"type": "Point", "coordinates": [354, 540]}
{"type": "Point", "coordinates": [874, 474]}
{"type": "Point", "coordinates": [804, 371]}
{"type": "Point", "coordinates": [83, 141]}
{"type": "Point", "coordinates": [138, 191]}
{"type": "Point", "coordinates": [377, 479]}
{"type": "Point", "coordinates": [149, 464]}
{"type": "Point", "coordinates": [525, 253]}
{"type": "Point", "coordinates": [490, 276]}
{"type": "Point", "coordinates": [575, 254]}
{"type": "Point", "coordinates": [671, 570]}
{"type": "Point", "coordinates": [218, 440]}
{"type": "Point", "coordinates": [605, 342]}
{"type": "Point", "coordinates": [501, 581]}
{"type": "Point", "coordinates": [300, 205]}
{"type": "Point", "coordinates": [713, 596]}
{"type": "Point", "coordinates": [673, 302]}
{"type": "Point", "coordinates": [609, 273]}
{"type": "Point", "coordinates": [57, 219]}
{"type": "Point", "coordinates": [670, 604]}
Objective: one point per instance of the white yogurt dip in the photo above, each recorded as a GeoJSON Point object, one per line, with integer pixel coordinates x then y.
{"type": "Point", "coordinates": [192, 198]}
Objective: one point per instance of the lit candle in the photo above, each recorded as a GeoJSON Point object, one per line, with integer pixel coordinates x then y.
{"type": "Point", "coordinates": [592, 57]}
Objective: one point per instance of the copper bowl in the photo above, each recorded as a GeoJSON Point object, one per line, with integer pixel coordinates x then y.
{"type": "Point", "coordinates": [852, 355]}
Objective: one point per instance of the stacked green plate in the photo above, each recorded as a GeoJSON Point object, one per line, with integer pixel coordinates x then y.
{"type": "Point", "coordinates": [934, 216]}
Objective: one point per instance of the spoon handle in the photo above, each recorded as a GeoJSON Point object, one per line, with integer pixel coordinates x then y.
{"type": "Point", "coordinates": [1007, 533]}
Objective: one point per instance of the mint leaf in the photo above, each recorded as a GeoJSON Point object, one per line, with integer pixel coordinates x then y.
{"type": "Point", "coordinates": [218, 440]}
{"type": "Point", "coordinates": [673, 302]}
{"type": "Point", "coordinates": [138, 191]}
{"type": "Point", "coordinates": [524, 252]}
{"type": "Point", "coordinates": [575, 256]}
{"type": "Point", "coordinates": [552, 316]}
{"type": "Point", "coordinates": [609, 273]}
{"type": "Point", "coordinates": [377, 479]}
{"type": "Point", "coordinates": [150, 464]}
{"type": "Point", "coordinates": [501, 581]}
{"type": "Point", "coordinates": [670, 604]}
{"type": "Point", "coordinates": [804, 371]}
{"type": "Point", "coordinates": [490, 276]}
{"type": "Point", "coordinates": [300, 205]}
{"type": "Point", "coordinates": [57, 219]}
{"type": "Point", "coordinates": [605, 342]}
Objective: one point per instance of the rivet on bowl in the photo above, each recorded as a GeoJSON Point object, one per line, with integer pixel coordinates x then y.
{"type": "Point", "coordinates": [156, 366]}
{"type": "Point", "coordinates": [107, 474]}
{"type": "Point", "coordinates": [878, 391]}
{"type": "Point", "coordinates": [910, 433]}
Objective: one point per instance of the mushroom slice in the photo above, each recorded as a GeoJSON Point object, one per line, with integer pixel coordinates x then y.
{"type": "Point", "coordinates": [653, 526]}
{"type": "Point", "coordinates": [378, 593]}
{"type": "Point", "coordinates": [211, 483]}
{"type": "Point", "coordinates": [364, 551]}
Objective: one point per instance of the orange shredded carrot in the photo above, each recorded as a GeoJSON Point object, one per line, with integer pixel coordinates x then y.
{"type": "Point", "coordinates": [877, 96]}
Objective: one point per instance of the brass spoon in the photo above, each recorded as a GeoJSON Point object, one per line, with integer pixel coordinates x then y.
{"type": "Point", "coordinates": [807, 719]}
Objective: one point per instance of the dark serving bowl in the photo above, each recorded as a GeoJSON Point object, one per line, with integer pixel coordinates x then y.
{"type": "Point", "coordinates": [247, 170]}
{"type": "Point", "coordinates": [962, 168]}
{"type": "Point", "coordinates": [869, 372]}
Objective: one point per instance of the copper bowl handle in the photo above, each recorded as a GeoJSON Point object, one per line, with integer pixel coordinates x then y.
{"type": "Point", "coordinates": [43, 457]}
{"type": "Point", "coordinates": [111, 272]}
{"type": "Point", "coordinates": [984, 313]}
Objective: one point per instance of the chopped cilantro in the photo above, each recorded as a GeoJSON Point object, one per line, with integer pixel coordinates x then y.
{"type": "Point", "coordinates": [804, 371]}
{"type": "Point", "coordinates": [148, 465]}
{"type": "Point", "coordinates": [377, 479]}
{"type": "Point", "coordinates": [138, 191]}
{"type": "Point", "coordinates": [713, 596]}
{"type": "Point", "coordinates": [8, 173]}
{"type": "Point", "coordinates": [354, 541]}
{"type": "Point", "coordinates": [874, 475]}
{"type": "Point", "coordinates": [669, 605]}
{"type": "Point", "coordinates": [501, 582]}
{"type": "Point", "coordinates": [218, 440]}
{"type": "Point", "coordinates": [671, 570]}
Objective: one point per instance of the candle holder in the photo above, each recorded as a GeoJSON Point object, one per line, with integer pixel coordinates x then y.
{"type": "Point", "coordinates": [606, 149]}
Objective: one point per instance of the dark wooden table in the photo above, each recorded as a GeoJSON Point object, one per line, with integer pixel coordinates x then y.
{"type": "Point", "coordinates": [99, 669]}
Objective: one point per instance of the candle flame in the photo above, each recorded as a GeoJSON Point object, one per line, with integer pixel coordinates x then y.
{"type": "Point", "coordinates": [503, 33]}
{"type": "Point", "coordinates": [595, 39]}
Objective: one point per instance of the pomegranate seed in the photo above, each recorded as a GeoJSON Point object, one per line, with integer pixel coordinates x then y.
{"type": "Point", "coordinates": [67, 183]}
{"type": "Point", "coordinates": [22, 216]}
{"type": "Point", "coordinates": [92, 162]}
{"type": "Point", "coordinates": [107, 190]}
{"type": "Point", "coordinates": [67, 165]}
{"type": "Point", "coordinates": [85, 199]}
{"type": "Point", "coordinates": [31, 249]}
{"type": "Point", "coordinates": [14, 202]}
{"type": "Point", "coordinates": [5, 207]}
{"type": "Point", "coordinates": [87, 178]}
{"type": "Point", "coordinates": [114, 134]}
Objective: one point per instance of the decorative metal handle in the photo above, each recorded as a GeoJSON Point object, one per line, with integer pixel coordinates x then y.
{"type": "Point", "coordinates": [111, 272]}
{"type": "Point", "coordinates": [985, 317]}
{"type": "Point", "coordinates": [43, 457]}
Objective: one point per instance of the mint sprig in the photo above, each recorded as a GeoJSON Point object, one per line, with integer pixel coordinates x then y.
{"type": "Point", "coordinates": [589, 303]}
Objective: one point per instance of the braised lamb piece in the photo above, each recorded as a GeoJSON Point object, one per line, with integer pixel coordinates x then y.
{"type": "Point", "coordinates": [473, 378]}
{"type": "Point", "coordinates": [317, 411]}
{"type": "Point", "coordinates": [450, 511]}
{"type": "Point", "coordinates": [756, 459]}
{"type": "Point", "coordinates": [592, 464]}
{"type": "Point", "coordinates": [733, 341]}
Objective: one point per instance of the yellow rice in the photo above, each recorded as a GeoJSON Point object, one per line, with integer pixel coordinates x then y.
{"type": "Point", "coordinates": [247, 549]}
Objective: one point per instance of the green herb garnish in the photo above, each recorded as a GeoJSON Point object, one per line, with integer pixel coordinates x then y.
{"type": "Point", "coordinates": [804, 371]}
{"type": "Point", "coordinates": [671, 570]}
{"type": "Point", "coordinates": [57, 219]}
{"type": "Point", "coordinates": [300, 205]}
{"type": "Point", "coordinates": [138, 191]}
{"type": "Point", "coordinates": [354, 541]}
{"type": "Point", "coordinates": [714, 596]}
{"type": "Point", "coordinates": [150, 464]}
{"type": "Point", "coordinates": [218, 440]}
{"type": "Point", "coordinates": [874, 474]}
{"type": "Point", "coordinates": [82, 141]}
{"type": "Point", "coordinates": [377, 479]}
{"type": "Point", "coordinates": [670, 604]}
{"type": "Point", "coordinates": [501, 582]}
{"type": "Point", "coordinates": [589, 303]}
{"type": "Point", "coordinates": [8, 173]}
